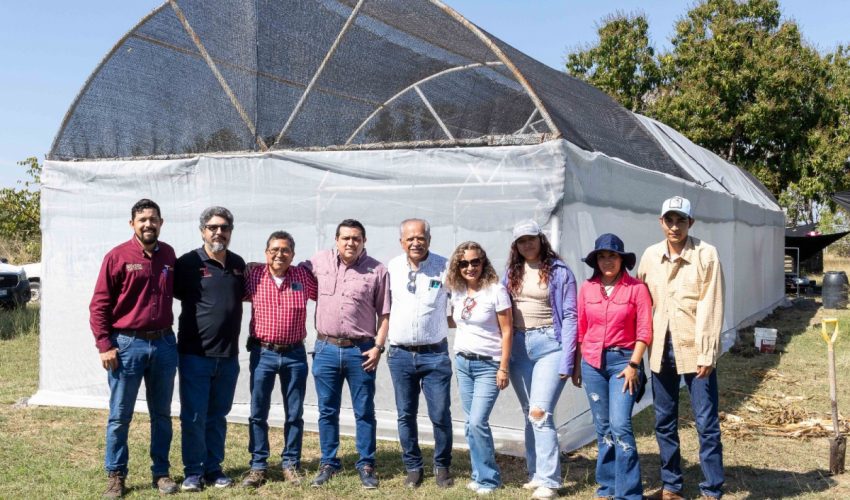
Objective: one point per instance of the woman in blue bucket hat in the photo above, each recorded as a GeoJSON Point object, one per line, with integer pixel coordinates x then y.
{"type": "Point", "coordinates": [614, 328]}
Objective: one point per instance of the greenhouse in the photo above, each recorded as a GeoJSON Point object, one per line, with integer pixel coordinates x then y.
{"type": "Point", "coordinates": [296, 114]}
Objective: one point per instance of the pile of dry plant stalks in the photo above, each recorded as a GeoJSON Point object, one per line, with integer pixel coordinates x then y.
{"type": "Point", "coordinates": [778, 416]}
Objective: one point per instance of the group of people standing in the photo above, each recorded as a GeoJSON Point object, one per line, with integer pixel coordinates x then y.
{"type": "Point", "coordinates": [532, 329]}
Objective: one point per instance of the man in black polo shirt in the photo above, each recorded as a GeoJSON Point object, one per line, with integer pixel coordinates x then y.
{"type": "Point", "coordinates": [209, 283]}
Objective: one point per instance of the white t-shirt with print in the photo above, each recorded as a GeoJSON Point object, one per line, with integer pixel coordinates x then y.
{"type": "Point", "coordinates": [479, 333]}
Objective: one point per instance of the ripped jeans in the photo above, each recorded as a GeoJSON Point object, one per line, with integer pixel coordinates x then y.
{"type": "Point", "coordinates": [617, 466]}
{"type": "Point", "coordinates": [535, 359]}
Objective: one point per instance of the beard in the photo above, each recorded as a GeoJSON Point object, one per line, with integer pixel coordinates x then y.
{"type": "Point", "coordinates": [217, 246]}
{"type": "Point", "coordinates": [148, 238]}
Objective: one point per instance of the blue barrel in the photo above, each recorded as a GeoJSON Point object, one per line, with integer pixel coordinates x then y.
{"type": "Point", "coordinates": [835, 290]}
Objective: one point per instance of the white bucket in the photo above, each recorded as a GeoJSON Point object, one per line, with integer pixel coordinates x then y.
{"type": "Point", "coordinates": [765, 339]}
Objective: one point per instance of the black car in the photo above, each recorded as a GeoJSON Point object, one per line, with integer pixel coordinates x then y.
{"type": "Point", "coordinates": [14, 287]}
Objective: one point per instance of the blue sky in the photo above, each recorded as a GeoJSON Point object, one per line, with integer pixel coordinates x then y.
{"type": "Point", "coordinates": [49, 47]}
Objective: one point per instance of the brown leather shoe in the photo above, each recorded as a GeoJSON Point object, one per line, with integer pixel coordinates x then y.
{"type": "Point", "coordinates": [443, 477]}
{"type": "Point", "coordinates": [114, 486]}
{"type": "Point", "coordinates": [663, 494]}
{"type": "Point", "coordinates": [165, 485]}
{"type": "Point", "coordinates": [292, 476]}
{"type": "Point", "coordinates": [254, 478]}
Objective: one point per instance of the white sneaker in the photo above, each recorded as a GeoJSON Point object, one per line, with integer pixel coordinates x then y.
{"type": "Point", "coordinates": [473, 486]}
{"type": "Point", "coordinates": [545, 492]}
{"type": "Point", "coordinates": [484, 491]}
{"type": "Point", "coordinates": [531, 485]}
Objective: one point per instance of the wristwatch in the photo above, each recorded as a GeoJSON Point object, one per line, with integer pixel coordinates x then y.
{"type": "Point", "coordinates": [381, 348]}
{"type": "Point", "coordinates": [634, 365]}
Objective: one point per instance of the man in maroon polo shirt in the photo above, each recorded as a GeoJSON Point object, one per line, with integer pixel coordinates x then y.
{"type": "Point", "coordinates": [131, 320]}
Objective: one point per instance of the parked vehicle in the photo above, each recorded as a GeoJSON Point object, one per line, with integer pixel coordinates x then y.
{"type": "Point", "coordinates": [14, 287]}
{"type": "Point", "coordinates": [34, 277]}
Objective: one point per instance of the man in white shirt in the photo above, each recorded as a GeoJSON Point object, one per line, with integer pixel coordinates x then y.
{"type": "Point", "coordinates": [418, 352]}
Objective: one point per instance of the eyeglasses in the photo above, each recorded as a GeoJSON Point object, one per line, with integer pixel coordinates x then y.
{"type": "Point", "coordinates": [411, 281]}
{"type": "Point", "coordinates": [281, 251]}
{"type": "Point", "coordinates": [224, 228]}
{"type": "Point", "coordinates": [468, 306]}
{"type": "Point", "coordinates": [463, 264]}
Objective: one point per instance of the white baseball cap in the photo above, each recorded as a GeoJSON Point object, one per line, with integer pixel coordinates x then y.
{"type": "Point", "coordinates": [677, 204]}
{"type": "Point", "coordinates": [526, 228]}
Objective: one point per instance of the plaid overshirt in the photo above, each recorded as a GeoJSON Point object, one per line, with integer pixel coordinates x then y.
{"type": "Point", "coordinates": [279, 314]}
{"type": "Point", "coordinates": [687, 300]}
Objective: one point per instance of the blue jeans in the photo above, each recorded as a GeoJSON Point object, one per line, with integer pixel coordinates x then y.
{"type": "Point", "coordinates": [476, 381]}
{"type": "Point", "coordinates": [704, 402]}
{"type": "Point", "coordinates": [535, 359]}
{"type": "Point", "coordinates": [207, 386]}
{"type": "Point", "coordinates": [333, 365]}
{"type": "Point", "coordinates": [432, 374]}
{"type": "Point", "coordinates": [617, 464]}
{"type": "Point", "coordinates": [155, 361]}
{"type": "Point", "coordinates": [265, 367]}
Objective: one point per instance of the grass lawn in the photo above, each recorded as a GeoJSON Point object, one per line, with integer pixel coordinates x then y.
{"type": "Point", "coordinates": [58, 453]}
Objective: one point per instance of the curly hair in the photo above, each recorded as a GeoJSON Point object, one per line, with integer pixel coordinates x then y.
{"type": "Point", "coordinates": [516, 265]}
{"type": "Point", "coordinates": [455, 281]}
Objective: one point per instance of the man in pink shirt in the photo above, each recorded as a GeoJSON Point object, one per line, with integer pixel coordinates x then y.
{"type": "Point", "coordinates": [352, 318]}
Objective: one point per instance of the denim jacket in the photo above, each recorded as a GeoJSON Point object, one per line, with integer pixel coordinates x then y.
{"type": "Point", "coordinates": [562, 299]}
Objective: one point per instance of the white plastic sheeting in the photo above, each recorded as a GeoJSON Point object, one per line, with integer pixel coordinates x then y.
{"type": "Point", "coordinates": [707, 168]}
{"type": "Point", "coordinates": [466, 194]}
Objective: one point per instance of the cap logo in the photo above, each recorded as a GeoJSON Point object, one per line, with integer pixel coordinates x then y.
{"type": "Point", "coordinates": [676, 202]}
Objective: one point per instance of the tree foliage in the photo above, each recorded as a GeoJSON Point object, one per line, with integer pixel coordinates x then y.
{"type": "Point", "coordinates": [20, 208]}
{"type": "Point", "coordinates": [741, 82]}
{"type": "Point", "coordinates": [622, 63]}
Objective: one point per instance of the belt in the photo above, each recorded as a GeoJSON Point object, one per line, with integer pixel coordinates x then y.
{"type": "Point", "coordinates": [278, 348]}
{"type": "Point", "coordinates": [425, 348]}
{"type": "Point", "coordinates": [343, 342]}
{"type": "Point", "coordinates": [146, 334]}
{"type": "Point", "coordinates": [474, 357]}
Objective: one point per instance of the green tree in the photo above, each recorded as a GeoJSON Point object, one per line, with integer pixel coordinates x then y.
{"type": "Point", "coordinates": [20, 208]}
{"type": "Point", "coordinates": [741, 82]}
{"type": "Point", "coordinates": [744, 85]}
{"type": "Point", "coordinates": [622, 63]}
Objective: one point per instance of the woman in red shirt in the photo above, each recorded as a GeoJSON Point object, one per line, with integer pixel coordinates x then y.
{"type": "Point", "coordinates": [614, 328]}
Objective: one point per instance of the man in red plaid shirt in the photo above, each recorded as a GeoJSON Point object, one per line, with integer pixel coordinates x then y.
{"type": "Point", "coordinates": [278, 293]}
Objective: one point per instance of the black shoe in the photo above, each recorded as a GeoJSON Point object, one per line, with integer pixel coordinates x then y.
{"type": "Point", "coordinates": [444, 477]}
{"type": "Point", "coordinates": [368, 478]}
{"type": "Point", "coordinates": [414, 478]}
{"type": "Point", "coordinates": [326, 472]}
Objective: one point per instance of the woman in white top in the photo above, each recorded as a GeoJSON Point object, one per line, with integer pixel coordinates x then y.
{"type": "Point", "coordinates": [481, 311]}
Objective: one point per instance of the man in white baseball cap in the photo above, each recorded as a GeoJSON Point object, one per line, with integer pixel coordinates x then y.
{"type": "Point", "coordinates": [685, 280]}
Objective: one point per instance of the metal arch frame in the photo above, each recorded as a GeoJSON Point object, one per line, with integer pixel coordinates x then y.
{"type": "Point", "coordinates": [90, 80]}
{"type": "Point", "coordinates": [520, 78]}
{"type": "Point", "coordinates": [416, 85]}
{"type": "Point", "coordinates": [497, 51]}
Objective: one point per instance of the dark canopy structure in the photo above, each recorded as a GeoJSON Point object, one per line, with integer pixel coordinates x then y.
{"type": "Point", "coordinates": [332, 74]}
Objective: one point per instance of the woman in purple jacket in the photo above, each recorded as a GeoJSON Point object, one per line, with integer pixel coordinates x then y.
{"type": "Point", "coordinates": [543, 295]}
